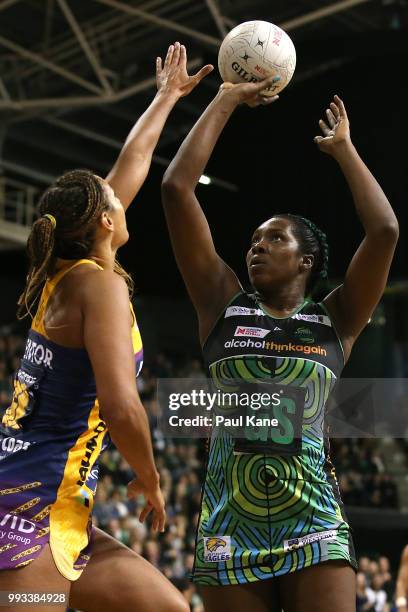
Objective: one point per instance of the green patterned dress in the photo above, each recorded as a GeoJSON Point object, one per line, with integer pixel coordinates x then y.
{"type": "Point", "coordinates": [271, 502]}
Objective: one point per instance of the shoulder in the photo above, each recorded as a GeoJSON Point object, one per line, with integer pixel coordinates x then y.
{"type": "Point", "coordinates": [94, 286]}
{"type": "Point", "coordinates": [240, 303]}
{"type": "Point", "coordinates": [88, 278]}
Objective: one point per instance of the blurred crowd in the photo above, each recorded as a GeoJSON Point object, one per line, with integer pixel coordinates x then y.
{"type": "Point", "coordinates": [362, 474]}
{"type": "Point", "coordinates": [360, 467]}
{"type": "Point", "coordinates": [375, 585]}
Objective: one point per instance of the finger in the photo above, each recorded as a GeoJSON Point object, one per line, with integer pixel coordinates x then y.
{"type": "Point", "coordinates": [266, 83]}
{"type": "Point", "coordinates": [176, 54]}
{"type": "Point", "coordinates": [341, 106]}
{"type": "Point", "coordinates": [335, 110]}
{"type": "Point", "coordinates": [169, 56]}
{"type": "Point", "coordinates": [203, 73]}
{"type": "Point", "coordinates": [266, 100]}
{"type": "Point", "coordinates": [145, 512]}
{"type": "Point", "coordinates": [155, 521]}
{"type": "Point", "coordinates": [320, 139]}
{"type": "Point", "coordinates": [134, 490]}
{"type": "Point", "coordinates": [159, 520]}
{"type": "Point", "coordinates": [260, 100]}
{"type": "Point", "coordinates": [183, 56]}
{"type": "Point", "coordinates": [162, 521]}
{"type": "Point", "coordinates": [330, 118]}
{"type": "Point", "coordinates": [159, 65]}
{"type": "Point", "coordinates": [325, 128]}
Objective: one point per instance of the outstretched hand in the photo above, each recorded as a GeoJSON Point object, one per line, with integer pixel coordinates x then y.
{"type": "Point", "coordinates": [251, 93]}
{"type": "Point", "coordinates": [172, 77]}
{"type": "Point", "coordinates": [154, 502]}
{"type": "Point", "coordinates": [337, 129]}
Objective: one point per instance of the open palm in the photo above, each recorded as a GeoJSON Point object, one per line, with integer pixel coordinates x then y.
{"type": "Point", "coordinates": [173, 75]}
{"type": "Point", "coordinates": [336, 130]}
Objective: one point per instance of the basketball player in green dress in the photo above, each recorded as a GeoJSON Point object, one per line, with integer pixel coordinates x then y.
{"type": "Point", "coordinates": [272, 532]}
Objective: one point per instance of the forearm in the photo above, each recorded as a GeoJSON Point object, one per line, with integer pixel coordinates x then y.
{"type": "Point", "coordinates": [400, 588]}
{"type": "Point", "coordinates": [372, 205]}
{"type": "Point", "coordinates": [132, 165]}
{"type": "Point", "coordinates": [130, 432]}
{"type": "Point", "coordinates": [193, 155]}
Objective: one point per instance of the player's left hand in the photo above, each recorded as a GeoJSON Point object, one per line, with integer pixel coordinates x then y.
{"type": "Point", "coordinates": [336, 131]}
{"type": "Point", "coordinates": [173, 77]}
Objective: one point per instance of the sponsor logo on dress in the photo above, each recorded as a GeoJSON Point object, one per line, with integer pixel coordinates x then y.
{"type": "Point", "coordinates": [12, 445]}
{"type": "Point", "coordinates": [254, 332]}
{"type": "Point", "coordinates": [242, 311]}
{"type": "Point", "coordinates": [313, 318]}
{"type": "Point", "coordinates": [90, 448]}
{"type": "Point", "coordinates": [38, 354]}
{"type": "Point", "coordinates": [275, 347]}
{"type": "Point", "coordinates": [296, 543]}
{"type": "Point", "coordinates": [217, 548]}
{"type": "Point", "coordinates": [14, 524]}
{"type": "Point", "coordinates": [305, 335]}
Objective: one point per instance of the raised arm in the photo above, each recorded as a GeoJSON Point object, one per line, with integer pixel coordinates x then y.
{"type": "Point", "coordinates": [210, 282]}
{"type": "Point", "coordinates": [353, 302]}
{"type": "Point", "coordinates": [401, 591]}
{"type": "Point", "coordinates": [132, 166]}
{"type": "Point", "coordinates": [105, 300]}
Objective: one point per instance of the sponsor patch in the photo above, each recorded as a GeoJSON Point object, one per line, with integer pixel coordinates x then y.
{"type": "Point", "coordinates": [305, 335]}
{"type": "Point", "coordinates": [296, 543]}
{"type": "Point", "coordinates": [313, 318]}
{"type": "Point", "coordinates": [217, 548]}
{"type": "Point", "coordinates": [254, 332]}
{"type": "Point", "coordinates": [242, 311]}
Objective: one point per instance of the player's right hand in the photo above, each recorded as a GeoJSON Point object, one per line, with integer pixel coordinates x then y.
{"type": "Point", "coordinates": [251, 93]}
{"type": "Point", "coordinates": [154, 502]}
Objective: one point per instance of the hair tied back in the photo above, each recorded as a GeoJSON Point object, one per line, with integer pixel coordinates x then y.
{"type": "Point", "coordinates": [52, 219]}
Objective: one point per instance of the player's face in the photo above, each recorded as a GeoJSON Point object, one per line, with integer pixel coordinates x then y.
{"type": "Point", "coordinates": [274, 257]}
{"type": "Point", "coordinates": [117, 213]}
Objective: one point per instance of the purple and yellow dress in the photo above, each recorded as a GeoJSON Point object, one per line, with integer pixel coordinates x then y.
{"type": "Point", "coordinates": [51, 437]}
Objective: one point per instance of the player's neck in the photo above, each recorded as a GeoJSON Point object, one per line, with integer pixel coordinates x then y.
{"type": "Point", "coordinates": [282, 301]}
{"type": "Point", "coordinates": [103, 255]}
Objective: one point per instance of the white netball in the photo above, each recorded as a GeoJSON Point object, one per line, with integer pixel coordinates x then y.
{"type": "Point", "coordinates": [255, 50]}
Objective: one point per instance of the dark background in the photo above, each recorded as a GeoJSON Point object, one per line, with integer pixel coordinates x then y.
{"type": "Point", "coordinates": [270, 155]}
{"type": "Point", "coordinates": [267, 153]}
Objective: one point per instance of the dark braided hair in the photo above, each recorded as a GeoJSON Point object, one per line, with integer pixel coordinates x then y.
{"type": "Point", "coordinates": [311, 240]}
{"type": "Point", "coordinates": [69, 210]}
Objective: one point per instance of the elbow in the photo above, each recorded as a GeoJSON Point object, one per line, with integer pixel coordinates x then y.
{"type": "Point", "coordinates": [389, 231]}
{"type": "Point", "coordinates": [173, 188]}
{"type": "Point", "coordinates": [119, 412]}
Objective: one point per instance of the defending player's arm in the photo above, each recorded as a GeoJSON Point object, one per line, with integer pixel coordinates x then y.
{"type": "Point", "coordinates": [210, 282]}
{"type": "Point", "coordinates": [105, 300]}
{"type": "Point", "coordinates": [132, 166]}
{"type": "Point", "coordinates": [401, 591]}
{"type": "Point", "coordinates": [352, 304]}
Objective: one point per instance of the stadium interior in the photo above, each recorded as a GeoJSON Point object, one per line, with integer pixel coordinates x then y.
{"type": "Point", "coordinates": [75, 75]}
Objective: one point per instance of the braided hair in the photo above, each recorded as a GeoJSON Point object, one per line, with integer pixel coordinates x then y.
{"type": "Point", "coordinates": [69, 210]}
{"type": "Point", "coordinates": [311, 240]}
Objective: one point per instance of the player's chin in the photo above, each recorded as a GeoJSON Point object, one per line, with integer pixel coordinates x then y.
{"type": "Point", "coordinates": [123, 238]}
{"type": "Point", "coordinates": [259, 277]}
